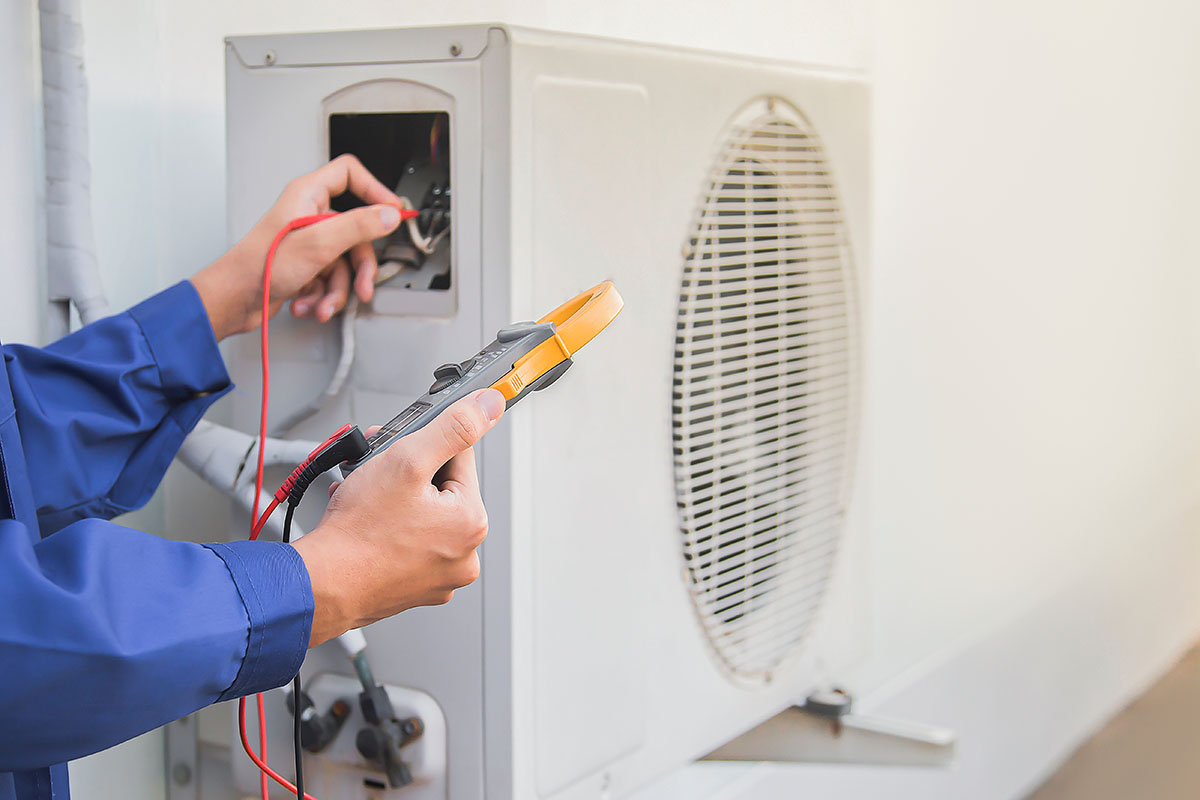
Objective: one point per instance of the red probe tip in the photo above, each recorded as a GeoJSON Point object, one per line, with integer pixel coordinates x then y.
{"type": "Point", "coordinates": [405, 213]}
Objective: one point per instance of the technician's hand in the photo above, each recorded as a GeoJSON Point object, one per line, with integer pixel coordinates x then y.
{"type": "Point", "coordinates": [401, 531]}
{"type": "Point", "coordinates": [315, 265]}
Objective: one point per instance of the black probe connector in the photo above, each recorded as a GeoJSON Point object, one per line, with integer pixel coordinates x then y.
{"type": "Point", "coordinates": [347, 444]}
{"type": "Point", "coordinates": [350, 446]}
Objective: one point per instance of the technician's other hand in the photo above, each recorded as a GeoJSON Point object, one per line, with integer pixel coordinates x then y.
{"type": "Point", "coordinates": [401, 531]}
{"type": "Point", "coordinates": [314, 265]}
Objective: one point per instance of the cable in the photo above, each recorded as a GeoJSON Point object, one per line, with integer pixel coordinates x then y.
{"type": "Point", "coordinates": [436, 240]}
{"type": "Point", "coordinates": [256, 525]}
{"type": "Point", "coordinates": [287, 523]}
{"type": "Point", "coordinates": [299, 222]}
{"type": "Point", "coordinates": [258, 762]}
{"type": "Point", "coordinates": [257, 521]}
{"type": "Point", "coordinates": [336, 381]}
{"type": "Point", "coordinates": [297, 704]}
{"type": "Point", "coordinates": [297, 746]}
{"type": "Point", "coordinates": [423, 243]}
{"type": "Point", "coordinates": [263, 787]}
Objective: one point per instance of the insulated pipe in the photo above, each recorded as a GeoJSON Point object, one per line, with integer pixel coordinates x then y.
{"type": "Point", "coordinates": [72, 271]}
{"type": "Point", "coordinates": [224, 458]}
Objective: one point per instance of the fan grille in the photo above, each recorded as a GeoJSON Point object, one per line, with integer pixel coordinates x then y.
{"type": "Point", "coordinates": [763, 391]}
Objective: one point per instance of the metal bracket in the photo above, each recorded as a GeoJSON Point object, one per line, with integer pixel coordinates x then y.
{"type": "Point", "coordinates": [183, 756]}
{"type": "Point", "coordinates": [196, 769]}
{"type": "Point", "coordinates": [824, 730]}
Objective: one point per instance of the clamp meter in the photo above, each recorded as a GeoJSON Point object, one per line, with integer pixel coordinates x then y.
{"type": "Point", "coordinates": [524, 357]}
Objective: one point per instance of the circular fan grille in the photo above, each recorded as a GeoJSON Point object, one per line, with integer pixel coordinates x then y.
{"type": "Point", "coordinates": [763, 390]}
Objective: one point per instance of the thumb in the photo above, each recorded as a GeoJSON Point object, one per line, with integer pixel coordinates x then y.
{"type": "Point", "coordinates": [330, 238]}
{"type": "Point", "coordinates": [454, 430]}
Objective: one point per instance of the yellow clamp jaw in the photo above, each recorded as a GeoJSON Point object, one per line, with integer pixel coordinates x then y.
{"type": "Point", "coordinates": [576, 322]}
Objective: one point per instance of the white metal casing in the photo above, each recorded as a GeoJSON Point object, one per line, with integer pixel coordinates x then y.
{"type": "Point", "coordinates": [575, 667]}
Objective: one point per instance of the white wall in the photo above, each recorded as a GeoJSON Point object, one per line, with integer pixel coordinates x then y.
{"type": "Point", "coordinates": [20, 158]}
{"type": "Point", "coordinates": [1034, 350]}
{"type": "Point", "coordinates": [1035, 298]}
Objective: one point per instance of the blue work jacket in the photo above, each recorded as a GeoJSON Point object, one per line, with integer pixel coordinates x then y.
{"type": "Point", "coordinates": [108, 632]}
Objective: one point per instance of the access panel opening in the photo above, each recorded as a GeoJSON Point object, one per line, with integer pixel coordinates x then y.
{"type": "Point", "coordinates": [410, 153]}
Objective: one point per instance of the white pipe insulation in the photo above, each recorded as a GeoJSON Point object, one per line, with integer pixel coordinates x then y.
{"type": "Point", "coordinates": [226, 459]}
{"type": "Point", "coordinates": [72, 271]}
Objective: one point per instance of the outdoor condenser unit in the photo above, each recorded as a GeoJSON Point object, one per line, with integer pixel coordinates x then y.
{"type": "Point", "coordinates": [675, 551]}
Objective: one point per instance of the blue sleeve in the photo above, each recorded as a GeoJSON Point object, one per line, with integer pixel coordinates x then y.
{"type": "Point", "coordinates": [103, 411]}
{"type": "Point", "coordinates": [106, 633]}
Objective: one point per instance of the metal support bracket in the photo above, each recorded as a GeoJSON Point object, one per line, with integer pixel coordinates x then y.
{"type": "Point", "coordinates": [824, 730]}
{"type": "Point", "coordinates": [183, 756]}
{"type": "Point", "coordinates": [196, 769]}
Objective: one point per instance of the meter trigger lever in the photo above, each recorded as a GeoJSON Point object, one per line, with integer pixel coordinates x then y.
{"type": "Point", "coordinates": [510, 333]}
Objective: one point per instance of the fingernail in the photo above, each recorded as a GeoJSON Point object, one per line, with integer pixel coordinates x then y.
{"type": "Point", "coordinates": [492, 403]}
{"type": "Point", "coordinates": [300, 306]}
{"type": "Point", "coordinates": [390, 216]}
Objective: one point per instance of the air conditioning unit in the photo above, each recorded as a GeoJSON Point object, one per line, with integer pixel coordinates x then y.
{"type": "Point", "coordinates": [675, 551]}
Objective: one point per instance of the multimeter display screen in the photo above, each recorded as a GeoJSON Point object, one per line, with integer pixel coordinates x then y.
{"type": "Point", "coordinates": [398, 424]}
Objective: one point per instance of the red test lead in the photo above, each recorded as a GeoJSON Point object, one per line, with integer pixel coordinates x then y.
{"type": "Point", "coordinates": [256, 521]}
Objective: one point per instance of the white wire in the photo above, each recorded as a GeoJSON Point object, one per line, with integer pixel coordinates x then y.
{"type": "Point", "coordinates": [436, 240]}
{"type": "Point", "coordinates": [426, 244]}
{"type": "Point", "coordinates": [346, 360]}
{"type": "Point", "coordinates": [336, 381]}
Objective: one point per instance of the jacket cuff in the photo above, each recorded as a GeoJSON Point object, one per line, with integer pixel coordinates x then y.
{"type": "Point", "coordinates": [181, 339]}
{"type": "Point", "coordinates": [275, 589]}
